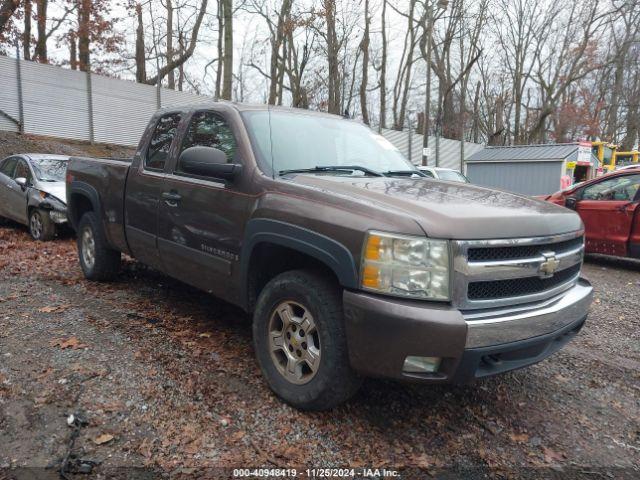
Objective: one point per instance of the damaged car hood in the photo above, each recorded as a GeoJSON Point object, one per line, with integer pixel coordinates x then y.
{"type": "Point", "coordinates": [55, 189]}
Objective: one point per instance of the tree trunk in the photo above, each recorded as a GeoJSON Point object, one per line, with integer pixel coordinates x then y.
{"type": "Point", "coordinates": [220, 42]}
{"type": "Point", "coordinates": [227, 77]}
{"type": "Point", "coordinates": [383, 69]}
{"type": "Point", "coordinates": [364, 46]}
{"type": "Point", "coordinates": [84, 20]}
{"type": "Point", "coordinates": [26, 35]}
{"type": "Point", "coordinates": [40, 52]}
{"type": "Point", "coordinates": [333, 105]}
{"type": "Point", "coordinates": [276, 66]}
{"type": "Point", "coordinates": [73, 51]}
{"type": "Point", "coordinates": [171, 76]}
{"type": "Point", "coordinates": [141, 67]}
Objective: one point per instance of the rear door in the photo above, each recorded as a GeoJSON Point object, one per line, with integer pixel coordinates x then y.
{"type": "Point", "coordinates": [7, 167]}
{"type": "Point", "coordinates": [202, 219]}
{"type": "Point", "coordinates": [607, 209]}
{"type": "Point", "coordinates": [144, 187]}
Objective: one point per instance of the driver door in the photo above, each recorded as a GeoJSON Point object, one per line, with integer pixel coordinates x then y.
{"type": "Point", "coordinates": [607, 210]}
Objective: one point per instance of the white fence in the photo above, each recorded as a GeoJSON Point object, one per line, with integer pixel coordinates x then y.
{"type": "Point", "coordinates": [447, 151]}
{"type": "Point", "coordinates": [57, 102]}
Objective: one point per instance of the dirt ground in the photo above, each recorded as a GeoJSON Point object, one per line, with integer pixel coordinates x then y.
{"type": "Point", "coordinates": [161, 376]}
{"type": "Point", "coordinates": [12, 143]}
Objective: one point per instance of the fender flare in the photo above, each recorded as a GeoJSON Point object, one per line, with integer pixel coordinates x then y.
{"type": "Point", "coordinates": [86, 190]}
{"type": "Point", "coordinates": [324, 249]}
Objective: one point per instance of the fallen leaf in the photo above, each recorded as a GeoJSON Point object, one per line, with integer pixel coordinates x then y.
{"type": "Point", "coordinates": [54, 309]}
{"type": "Point", "coordinates": [102, 439]}
{"type": "Point", "coordinates": [205, 335]}
{"type": "Point", "coordinates": [72, 343]}
{"type": "Point", "coordinates": [519, 437]}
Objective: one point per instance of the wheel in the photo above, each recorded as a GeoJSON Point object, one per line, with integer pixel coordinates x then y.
{"type": "Point", "coordinates": [41, 227]}
{"type": "Point", "coordinates": [300, 343]}
{"type": "Point", "coordinates": [98, 261]}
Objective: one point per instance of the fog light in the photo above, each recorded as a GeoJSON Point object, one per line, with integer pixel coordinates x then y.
{"type": "Point", "coordinates": [421, 364]}
{"type": "Point", "coordinates": [57, 216]}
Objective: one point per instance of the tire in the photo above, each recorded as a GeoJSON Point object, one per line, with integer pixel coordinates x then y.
{"type": "Point", "coordinates": [300, 294]}
{"type": "Point", "coordinates": [98, 261]}
{"type": "Point", "coordinates": [41, 227]}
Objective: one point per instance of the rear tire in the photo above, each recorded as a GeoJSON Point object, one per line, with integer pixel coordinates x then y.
{"type": "Point", "coordinates": [309, 369]}
{"type": "Point", "coordinates": [99, 262]}
{"type": "Point", "coordinates": [41, 227]}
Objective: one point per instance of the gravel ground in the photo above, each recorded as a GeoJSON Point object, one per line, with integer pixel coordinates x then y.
{"type": "Point", "coordinates": [161, 376]}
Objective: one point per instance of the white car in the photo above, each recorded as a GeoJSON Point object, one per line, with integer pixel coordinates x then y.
{"type": "Point", "coordinates": [440, 173]}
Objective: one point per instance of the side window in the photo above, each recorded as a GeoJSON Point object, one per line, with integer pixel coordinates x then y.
{"type": "Point", "coordinates": [160, 143]}
{"type": "Point", "coordinates": [620, 188]}
{"type": "Point", "coordinates": [428, 173]}
{"type": "Point", "coordinates": [22, 170]}
{"type": "Point", "coordinates": [8, 166]}
{"type": "Point", "coordinates": [208, 129]}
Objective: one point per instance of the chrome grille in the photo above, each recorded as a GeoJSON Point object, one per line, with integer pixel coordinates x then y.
{"type": "Point", "coordinates": [494, 273]}
{"type": "Point", "coordinates": [485, 254]}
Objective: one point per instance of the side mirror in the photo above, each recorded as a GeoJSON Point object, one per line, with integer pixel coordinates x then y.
{"type": "Point", "coordinates": [571, 202]}
{"type": "Point", "coordinates": [208, 162]}
{"type": "Point", "coordinates": [22, 182]}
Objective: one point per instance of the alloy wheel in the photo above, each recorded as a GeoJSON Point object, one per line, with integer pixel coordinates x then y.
{"type": "Point", "coordinates": [88, 248]}
{"type": "Point", "coordinates": [294, 342]}
{"type": "Point", "coordinates": [35, 225]}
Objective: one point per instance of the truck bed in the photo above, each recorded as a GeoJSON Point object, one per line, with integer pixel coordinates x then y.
{"type": "Point", "coordinates": [107, 176]}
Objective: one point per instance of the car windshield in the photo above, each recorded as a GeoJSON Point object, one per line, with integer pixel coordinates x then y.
{"type": "Point", "coordinates": [452, 176]}
{"type": "Point", "coordinates": [50, 169]}
{"type": "Point", "coordinates": [289, 141]}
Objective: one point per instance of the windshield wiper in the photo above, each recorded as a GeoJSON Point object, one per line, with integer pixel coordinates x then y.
{"type": "Point", "coordinates": [403, 173]}
{"type": "Point", "coordinates": [333, 168]}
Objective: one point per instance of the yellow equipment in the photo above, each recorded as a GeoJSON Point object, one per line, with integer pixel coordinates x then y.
{"type": "Point", "coordinates": [605, 152]}
{"type": "Point", "coordinates": [625, 158]}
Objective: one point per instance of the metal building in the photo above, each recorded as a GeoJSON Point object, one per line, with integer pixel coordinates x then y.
{"type": "Point", "coordinates": [532, 169]}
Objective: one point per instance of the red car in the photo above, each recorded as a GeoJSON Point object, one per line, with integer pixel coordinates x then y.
{"type": "Point", "coordinates": [609, 208]}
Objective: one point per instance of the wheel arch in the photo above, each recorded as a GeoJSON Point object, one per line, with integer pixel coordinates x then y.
{"type": "Point", "coordinates": [82, 198]}
{"type": "Point", "coordinates": [294, 247]}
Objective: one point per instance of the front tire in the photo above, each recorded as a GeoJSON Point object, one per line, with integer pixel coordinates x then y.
{"type": "Point", "coordinates": [300, 342]}
{"type": "Point", "coordinates": [99, 262]}
{"type": "Point", "coordinates": [41, 227]}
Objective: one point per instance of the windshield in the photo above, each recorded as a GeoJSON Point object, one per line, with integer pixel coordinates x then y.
{"type": "Point", "coordinates": [50, 169]}
{"type": "Point", "coordinates": [452, 176]}
{"type": "Point", "coordinates": [291, 141]}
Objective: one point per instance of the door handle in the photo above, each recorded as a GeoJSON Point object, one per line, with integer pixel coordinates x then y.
{"type": "Point", "coordinates": [171, 198]}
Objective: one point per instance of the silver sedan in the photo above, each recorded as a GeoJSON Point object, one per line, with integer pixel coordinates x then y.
{"type": "Point", "coordinates": [33, 192]}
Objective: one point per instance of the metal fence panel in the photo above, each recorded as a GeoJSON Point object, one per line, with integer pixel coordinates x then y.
{"type": "Point", "coordinates": [121, 109]}
{"type": "Point", "coordinates": [449, 155]}
{"type": "Point", "coordinates": [174, 98]}
{"type": "Point", "coordinates": [55, 101]}
{"type": "Point", "coordinates": [8, 94]}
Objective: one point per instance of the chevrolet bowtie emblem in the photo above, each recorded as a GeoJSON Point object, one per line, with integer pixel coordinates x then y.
{"type": "Point", "coordinates": [549, 266]}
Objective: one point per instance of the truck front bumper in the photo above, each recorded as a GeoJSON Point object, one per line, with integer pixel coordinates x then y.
{"type": "Point", "coordinates": [382, 332]}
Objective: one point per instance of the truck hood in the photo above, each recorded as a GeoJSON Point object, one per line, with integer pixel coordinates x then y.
{"type": "Point", "coordinates": [55, 189]}
{"type": "Point", "coordinates": [451, 210]}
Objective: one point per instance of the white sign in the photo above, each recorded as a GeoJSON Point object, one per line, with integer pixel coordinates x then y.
{"type": "Point", "coordinates": [584, 154]}
{"type": "Point", "coordinates": [426, 152]}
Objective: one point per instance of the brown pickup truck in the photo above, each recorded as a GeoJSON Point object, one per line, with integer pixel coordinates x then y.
{"type": "Point", "coordinates": [351, 262]}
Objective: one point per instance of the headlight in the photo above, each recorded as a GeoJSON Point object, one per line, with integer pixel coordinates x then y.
{"type": "Point", "coordinates": [406, 266]}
